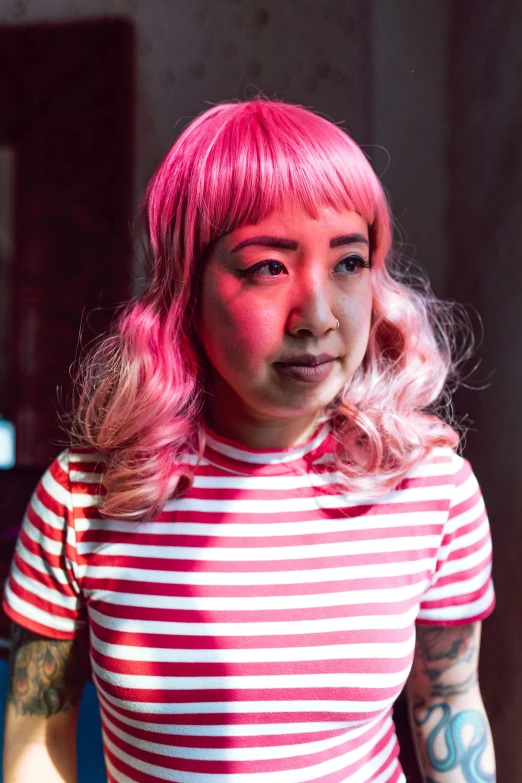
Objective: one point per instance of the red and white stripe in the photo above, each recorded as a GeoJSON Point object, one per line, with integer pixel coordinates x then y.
{"type": "Point", "coordinates": [260, 629]}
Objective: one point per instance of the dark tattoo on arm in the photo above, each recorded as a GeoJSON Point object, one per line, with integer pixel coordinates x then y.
{"type": "Point", "coordinates": [442, 649]}
{"type": "Point", "coordinates": [46, 676]}
{"type": "Point", "coordinates": [444, 691]}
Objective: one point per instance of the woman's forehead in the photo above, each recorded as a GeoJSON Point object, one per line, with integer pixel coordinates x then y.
{"type": "Point", "coordinates": [293, 218]}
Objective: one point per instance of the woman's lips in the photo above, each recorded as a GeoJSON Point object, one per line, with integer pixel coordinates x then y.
{"type": "Point", "coordinates": [306, 374]}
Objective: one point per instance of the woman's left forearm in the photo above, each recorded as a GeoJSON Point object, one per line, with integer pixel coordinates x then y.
{"type": "Point", "coordinates": [453, 737]}
{"type": "Point", "coordinates": [447, 714]}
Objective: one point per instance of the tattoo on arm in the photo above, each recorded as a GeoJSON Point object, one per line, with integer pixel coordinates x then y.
{"type": "Point", "coordinates": [452, 734]}
{"type": "Point", "coordinates": [444, 691]}
{"type": "Point", "coordinates": [447, 732]}
{"type": "Point", "coordinates": [46, 676]}
{"type": "Point", "coordinates": [442, 649]}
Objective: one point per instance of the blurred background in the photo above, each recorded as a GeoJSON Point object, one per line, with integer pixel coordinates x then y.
{"type": "Point", "coordinates": [92, 96]}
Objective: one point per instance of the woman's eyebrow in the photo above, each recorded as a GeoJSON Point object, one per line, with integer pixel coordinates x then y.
{"type": "Point", "coordinates": [292, 244]}
{"type": "Point", "coordinates": [348, 239]}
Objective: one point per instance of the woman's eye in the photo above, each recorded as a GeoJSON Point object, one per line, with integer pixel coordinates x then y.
{"type": "Point", "coordinates": [354, 262]}
{"type": "Point", "coordinates": [271, 268]}
{"type": "Point", "coordinates": [274, 269]}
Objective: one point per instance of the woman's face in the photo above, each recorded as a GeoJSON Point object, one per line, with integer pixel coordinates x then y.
{"type": "Point", "coordinates": [272, 292]}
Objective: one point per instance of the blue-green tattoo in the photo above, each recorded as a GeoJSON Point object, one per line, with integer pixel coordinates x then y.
{"type": "Point", "coordinates": [467, 758]}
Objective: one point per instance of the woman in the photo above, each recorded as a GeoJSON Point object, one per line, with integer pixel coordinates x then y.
{"type": "Point", "coordinates": [262, 531]}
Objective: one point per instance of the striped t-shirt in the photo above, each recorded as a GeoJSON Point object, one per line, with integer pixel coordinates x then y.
{"type": "Point", "coordinates": [260, 628]}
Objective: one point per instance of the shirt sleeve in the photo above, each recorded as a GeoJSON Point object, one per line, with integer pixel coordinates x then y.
{"type": "Point", "coordinates": [42, 592]}
{"type": "Point", "coordinates": [461, 590]}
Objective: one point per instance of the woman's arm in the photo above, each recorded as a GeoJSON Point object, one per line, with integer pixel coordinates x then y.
{"type": "Point", "coordinates": [46, 679]}
{"type": "Point", "coordinates": [447, 715]}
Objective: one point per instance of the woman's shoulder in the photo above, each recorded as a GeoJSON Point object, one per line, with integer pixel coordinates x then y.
{"type": "Point", "coordinates": [75, 466]}
{"type": "Point", "coordinates": [441, 461]}
{"type": "Point", "coordinates": [81, 459]}
{"type": "Point", "coordinates": [442, 476]}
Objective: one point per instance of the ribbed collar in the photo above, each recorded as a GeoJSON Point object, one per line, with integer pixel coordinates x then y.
{"type": "Point", "coordinates": [238, 458]}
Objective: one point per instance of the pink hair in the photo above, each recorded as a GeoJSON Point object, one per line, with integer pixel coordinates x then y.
{"type": "Point", "coordinates": [142, 389]}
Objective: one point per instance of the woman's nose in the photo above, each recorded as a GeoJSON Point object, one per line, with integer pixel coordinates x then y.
{"type": "Point", "coordinates": [312, 307]}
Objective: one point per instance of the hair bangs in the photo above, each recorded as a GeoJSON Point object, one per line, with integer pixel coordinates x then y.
{"type": "Point", "coordinates": [261, 158]}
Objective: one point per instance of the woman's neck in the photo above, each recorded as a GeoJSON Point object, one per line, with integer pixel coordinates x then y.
{"type": "Point", "coordinates": [262, 434]}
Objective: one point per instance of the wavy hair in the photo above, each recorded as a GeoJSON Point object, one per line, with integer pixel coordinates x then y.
{"type": "Point", "coordinates": [142, 388]}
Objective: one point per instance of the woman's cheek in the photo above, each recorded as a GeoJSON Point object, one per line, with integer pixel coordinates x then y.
{"type": "Point", "coordinates": [357, 323]}
{"type": "Point", "coordinates": [258, 332]}
{"type": "Point", "coordinates": [238, 340]}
